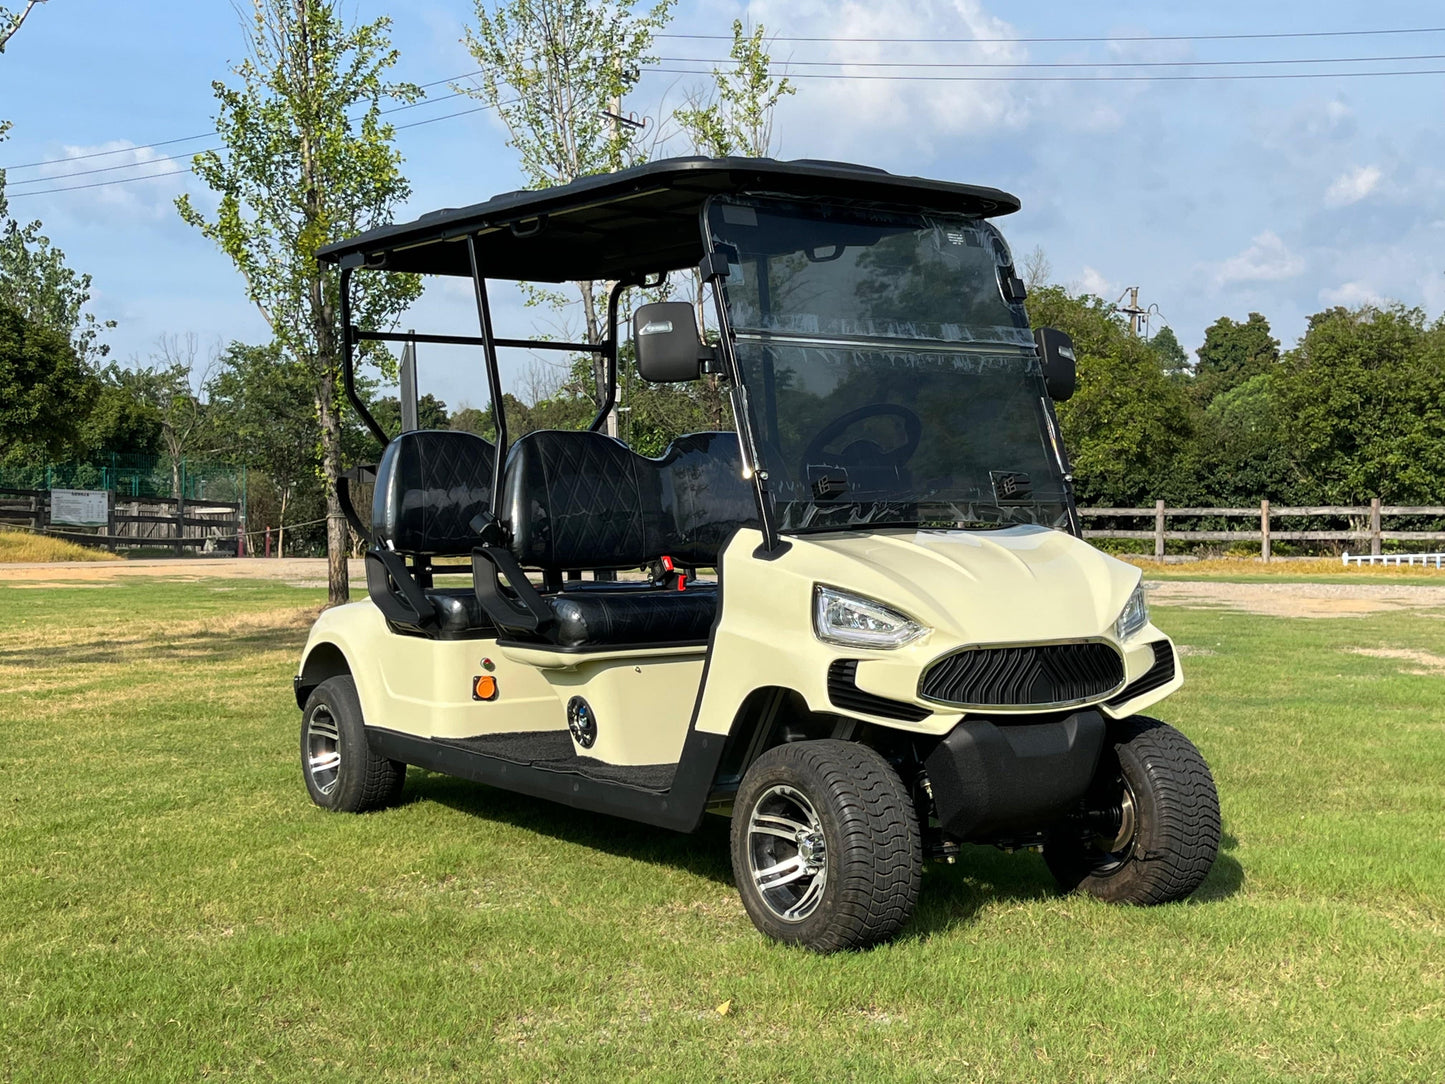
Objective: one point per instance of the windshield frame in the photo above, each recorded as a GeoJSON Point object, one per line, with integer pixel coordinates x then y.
{"type": "Point", "coordinates": [715, 270]}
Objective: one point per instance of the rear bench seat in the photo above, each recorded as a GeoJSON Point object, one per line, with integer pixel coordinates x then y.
{"type": "Point", "coordinates": [584, 500]}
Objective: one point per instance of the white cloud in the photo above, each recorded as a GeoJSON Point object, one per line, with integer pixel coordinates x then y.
{"type": "Point", "coordinates": [1092, 282]}
{"type": "Point", "coordinates": [878, 118]}
{"type": "Point", "coordinates": [1267, 259]}
{"type": "Point", "coordinates": [94, 170]}
{"type": "Point", "coordinates": [1351, 294]}
{"type": "Point", "coordinates": [1353, 186]}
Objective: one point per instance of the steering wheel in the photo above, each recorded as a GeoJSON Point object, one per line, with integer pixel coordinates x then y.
{"type": "Point", "coordinates": [894, 457]}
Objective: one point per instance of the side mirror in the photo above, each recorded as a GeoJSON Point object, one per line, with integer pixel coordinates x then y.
{"type": "Point", "coordinates": [1056, 354]}
{"type": "Point", "coordinates": [665, 337]}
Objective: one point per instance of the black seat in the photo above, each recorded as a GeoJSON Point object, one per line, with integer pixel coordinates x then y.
{"type": "Point", "coordinates": [583, 500]}
{"type": "Point", "coordinates": [430, 484]}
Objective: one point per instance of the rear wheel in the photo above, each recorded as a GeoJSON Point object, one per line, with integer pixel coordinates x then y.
{"type": "Point", "coordinates": [1148, 831]}
{"type": "Point", "coordinates": [342, 772]}
{"type": "Point", "coordinates": [825, 846]}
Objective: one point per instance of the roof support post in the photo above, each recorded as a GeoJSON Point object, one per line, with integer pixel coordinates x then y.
{"type": "Point", "coordinates": [609, 351]}
{"type": "Point", "coordinates": [712, 273]}
{"type": "Point", "coordinates": [348, 360]}
{"type": "Point", "coordinates": [494, 377]}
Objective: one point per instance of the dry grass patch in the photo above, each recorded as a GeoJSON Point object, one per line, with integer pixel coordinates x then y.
{"type": "Point", "coordinates": [24, 547]}
{"type": "Point", "coordinates": [1426, 664]}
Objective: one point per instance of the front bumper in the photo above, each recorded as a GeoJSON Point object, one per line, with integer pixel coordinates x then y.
{"type": "Point", "coordinates": [990, 780]}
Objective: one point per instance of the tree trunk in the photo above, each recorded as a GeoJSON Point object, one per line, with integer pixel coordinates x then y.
{"type": "Point", "coordinates": [281, 521]}
{"type": "Point", "coordinates": [338, 588]}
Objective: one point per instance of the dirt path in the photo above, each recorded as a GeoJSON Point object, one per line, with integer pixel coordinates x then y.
{"type": "Point", "coordinates": [297, 571]}
{"type": "Point", "coordinates": [1298, 599]}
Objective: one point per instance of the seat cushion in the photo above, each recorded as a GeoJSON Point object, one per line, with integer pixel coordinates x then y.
{"type": "Point", "coordinates": [625, 615]}
{"type": "Point", "coordinates": [459, 613]}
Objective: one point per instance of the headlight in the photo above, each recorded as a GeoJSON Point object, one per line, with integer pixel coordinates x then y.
{"type": "Point", "coordinates": [850, 621]}
{"type": "Point", "coordinates": [1134, 617]}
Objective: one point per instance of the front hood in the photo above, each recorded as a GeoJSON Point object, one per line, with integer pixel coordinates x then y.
{"type": "Point", "coordinates": [1017, 584]}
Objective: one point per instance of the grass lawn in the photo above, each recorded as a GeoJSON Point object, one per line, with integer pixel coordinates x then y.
{"type": "Point", "coordinates": [173, 907]}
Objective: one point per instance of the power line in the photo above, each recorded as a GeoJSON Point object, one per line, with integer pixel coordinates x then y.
{"type": "Point", "coordinates": [1069, 64]}
{"type": "Point", "coordinates": [175, 157]}
{"type": "Point", "coordinates": [1075, 78]}
{"type": "Point", "coordinates": [178, 172]}
{"type": "Point", "coordinates": [210, 134]}
{"type": "Point", "coordinates": [1041, 41]}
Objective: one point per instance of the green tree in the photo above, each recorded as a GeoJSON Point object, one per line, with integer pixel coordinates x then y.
{"type": "Point", "coordinates": [552, 70]}
{"type": "Point", "coordinates": [123, 419]}
{"type": "Point", "coordinates": [735, 115]}
{"type": "Point", "coordinates": [45, 389]}
{"type": "Point", "coordinates": [431, 413]}
{"type": "Point", "coordinates": [1127, 425]}
{"type": "Point", "coordinates": [262, 417]}
{"type": "Point", "coordinates": [1232, 353]}
{"type": "Point", "coordinates": [1361, 404]}
{"type": "Point", "coordinates": [11, 21]}
{"type": "Point", "coordinates": [301, 169]}
{"type": "Point", "coordinates": [1172, 358]}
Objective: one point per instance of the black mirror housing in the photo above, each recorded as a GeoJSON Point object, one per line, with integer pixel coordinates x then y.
{"type": "Point", "coordinates": [665, 337]}
{"type": "Point", "coordinates": [1056, 354]}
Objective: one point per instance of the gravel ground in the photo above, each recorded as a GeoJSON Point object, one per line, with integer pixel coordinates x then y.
{"type": "Point", "coordinates": [1271, 599]}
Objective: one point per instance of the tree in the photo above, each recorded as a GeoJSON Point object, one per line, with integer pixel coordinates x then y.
{"type": "Point", "coordinates": [1172, 358]}
{"type": "Point", "coordinates": [431, 413]}
{"type": "Point", "coordinates": [1037, 269]}
{"type": "Point", "coordinates": [45, 389]}
{"type": "Point", "coordinates": [263, 417]}
{"type": "Point", "coordinates": [735, 116]}
{"type": "Point", "coordinates": [1232, 353]}
{"type": "Point", "coordinates": [33, 275]}
{"type": "Point", "coordinates": [11, 21]}
{"type": "Point", "coordinates": [168, 386]}
{"type": "Point", "coordinates": [123, 420]}
{"type": "Point", "coordinates": [1361, 406]}
{"type": "Point", "coordinates": [301, 171]}
{"type": "Point", "coordinates": [1127, 425]}
{"type": "Point", "coordinates": [552, 70]}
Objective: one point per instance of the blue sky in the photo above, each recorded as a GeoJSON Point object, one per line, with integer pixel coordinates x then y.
{"type": "Point", "coordinates": [1215, 198]}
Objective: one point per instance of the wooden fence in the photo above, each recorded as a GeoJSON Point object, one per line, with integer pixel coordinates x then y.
{"type": "Point", "coordinates": [167, 522]}
{"type": "Point", "coordinates": [1366, 524]}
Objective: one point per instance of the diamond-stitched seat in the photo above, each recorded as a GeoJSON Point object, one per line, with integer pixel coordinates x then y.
{"type": "Point", "coordinates": [584, 500]}
{"type": "Point", "coordinates": [429, 486]}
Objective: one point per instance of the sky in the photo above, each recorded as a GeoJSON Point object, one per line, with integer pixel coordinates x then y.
{"type": "Point", "coordinates": [1214, 197]}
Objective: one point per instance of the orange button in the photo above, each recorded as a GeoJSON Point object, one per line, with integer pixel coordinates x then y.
{"type": "Point", "coordinates": [484, 687]}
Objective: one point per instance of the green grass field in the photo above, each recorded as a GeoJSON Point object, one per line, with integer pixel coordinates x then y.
{"type": "Point", "coordinates": [172, 907]}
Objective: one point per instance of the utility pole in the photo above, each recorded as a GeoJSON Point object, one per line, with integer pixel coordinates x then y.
{"type": "Point", "coordinates": [1138, 318]}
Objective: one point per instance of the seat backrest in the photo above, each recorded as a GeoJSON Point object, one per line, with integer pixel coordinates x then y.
{"type": "Point", "coordinates": [430, 484]}
{"type": "Point", "coordinates": [581, 500]}
{"type": "Point", "coordinates": [704, 487]}
{"type": "Point", "coordinates": [584, 500]}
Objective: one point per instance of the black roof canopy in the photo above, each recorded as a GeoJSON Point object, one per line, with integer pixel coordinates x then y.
{"type": "Point", "coordinates": [634, 222]}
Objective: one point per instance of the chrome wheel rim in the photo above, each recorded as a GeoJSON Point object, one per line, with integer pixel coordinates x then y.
{"type": "Point", "coordinates": [787, 853]}
{"type": "Point", "coordinates": [323, 750]}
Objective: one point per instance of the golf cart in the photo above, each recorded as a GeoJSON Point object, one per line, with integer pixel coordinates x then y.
{"type": "Point", "coordinates": [869, 629]}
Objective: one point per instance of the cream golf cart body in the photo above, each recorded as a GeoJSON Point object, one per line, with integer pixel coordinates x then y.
{"type": "Point", "coordinates": [871, 629]}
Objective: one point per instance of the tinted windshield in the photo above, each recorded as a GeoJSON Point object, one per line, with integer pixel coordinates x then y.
{"type": "Point", "coordinates": [889, 380]}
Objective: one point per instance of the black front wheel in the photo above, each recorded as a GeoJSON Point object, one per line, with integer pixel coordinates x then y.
{"type": "Point", "coordinates": [825, 846]}
{"type": "Point", "coordinates": [1148, 831]}
{"type": "Point", "coordinates": [341, 770]}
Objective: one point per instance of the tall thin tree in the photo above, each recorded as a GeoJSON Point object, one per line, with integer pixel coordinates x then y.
{"type": "Point", "coordinates": [308, 160]}
{"type": "Point", "coordinates": [554, 70]}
